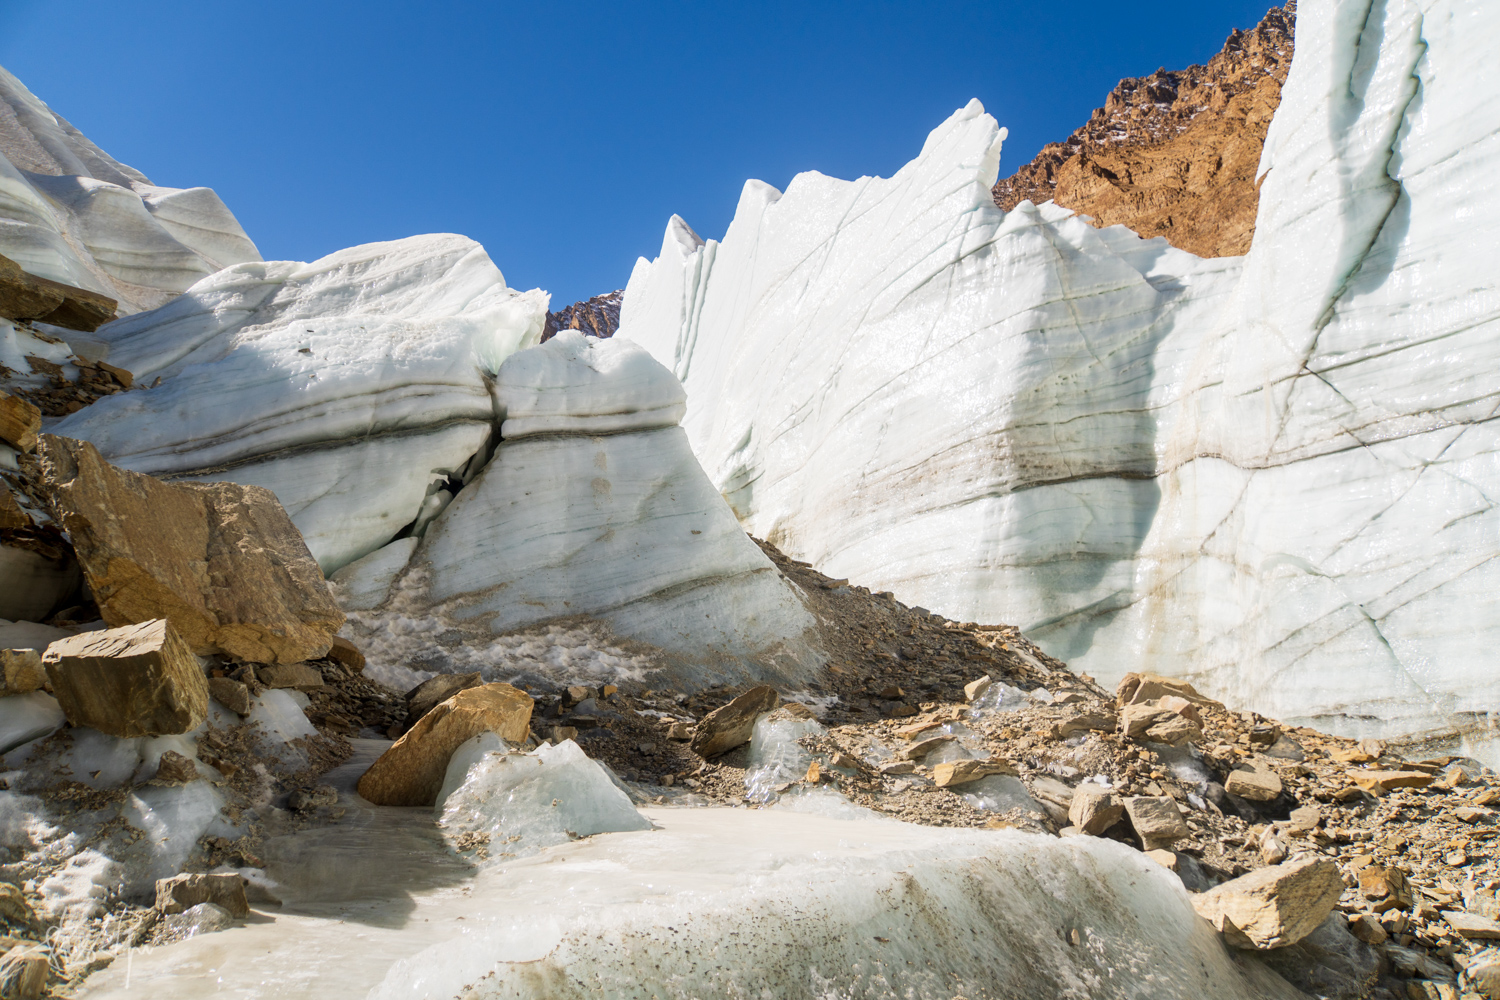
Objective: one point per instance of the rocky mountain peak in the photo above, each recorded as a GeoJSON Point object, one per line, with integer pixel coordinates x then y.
{"type": "Point", "coordinates": [1173, 154]}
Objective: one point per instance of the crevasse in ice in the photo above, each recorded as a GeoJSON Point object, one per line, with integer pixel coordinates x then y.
{"type": "Point", "coordinates": [593, 504]}
{"type": "Point", "coordinates": [348, 386]}
{"type": "Point", "coordinates": [1272, 474]}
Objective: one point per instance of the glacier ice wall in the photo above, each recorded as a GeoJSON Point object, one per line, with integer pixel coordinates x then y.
{"type": "Point", "coordinates": [1271, 473]}
{"type": "Point", "coordinates": [346, 386]}
{"type": "Point", "coordinates": [593, 505]}
{"type": "Point", "coordinates": [72, 213]}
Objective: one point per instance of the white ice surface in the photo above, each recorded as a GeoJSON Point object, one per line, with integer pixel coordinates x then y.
{"type": "Point", "coordinates": [523, 802]}
{"type": "Point", "coordinates": [1272, 474]}
{"type": "Point", "coordinates": [623, 527]}
{"type": "Point", "coordinates": [345, 385]}
{"type": "Point", "coordinates": [364, 583]}
{"type": "Point", "coordinates": [716, 902]}
{"type": "Point", "coordinates": [70, 212]}
{"type": "Point", "coordinates": [25, 717]}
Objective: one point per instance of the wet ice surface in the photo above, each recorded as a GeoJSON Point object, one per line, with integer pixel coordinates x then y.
{"type": "Point", "coordinates": [713, 902]}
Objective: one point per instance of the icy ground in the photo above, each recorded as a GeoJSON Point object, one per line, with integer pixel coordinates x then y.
{"type": "Point", "coordinates": [711, 902]}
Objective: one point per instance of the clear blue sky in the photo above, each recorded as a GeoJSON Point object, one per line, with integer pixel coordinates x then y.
{"type": "Point", "coordinates": [562, 135]}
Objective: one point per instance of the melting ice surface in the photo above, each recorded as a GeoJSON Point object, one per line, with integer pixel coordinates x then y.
{"type": "Point", "coordinates": [710, 903]}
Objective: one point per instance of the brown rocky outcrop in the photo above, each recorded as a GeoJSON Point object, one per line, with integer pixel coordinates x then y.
{"type": "Point", "coordinates": [595, 317]}
{"type": "Point", "coordinates": [25, 296]}
{"type": "Point", "coordinates": [1173, 154]}
{"type": "Point", "coordinates": [20, 422]}
{"type": "Point", "coordinates": [140, 680]}
{"type": "Point", "coordinates": [410, 773]}
{"type": "Point", "coordinates": [221, 561]}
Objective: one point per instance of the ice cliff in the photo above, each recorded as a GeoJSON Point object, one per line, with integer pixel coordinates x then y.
{"type": "Point", "coordinates": [72, 213]}
{"type": "Point", "coordinates": [1271, 473]}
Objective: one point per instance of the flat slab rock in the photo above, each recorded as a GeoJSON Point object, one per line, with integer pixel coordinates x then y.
{"type": "Point", "coordinates": [221, 561]}
{"type": "Point", "coordinates": [140, 680]}
{"type": "Point", "coordinates": [729, 726]}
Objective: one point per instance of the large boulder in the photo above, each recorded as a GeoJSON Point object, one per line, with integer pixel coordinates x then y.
{"type": "Point", "coordinates": [1273, 907]}
{"type": "Point", "coordinates": [221, 561]}
{"type": "Point", "coordinates": [411, 772]}
{"type": "Point", "coordinates": [140, 680]}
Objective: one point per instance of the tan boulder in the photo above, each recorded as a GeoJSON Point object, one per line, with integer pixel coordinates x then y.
{"type": "Point", "coordinates": [1385, 781]}
{"type": "Point", "coordinates": [1094, 809]}
{"type": "Point", "coordinates": [1256, 785]}
{"type": "Point", "coordinates": [12, 517]}
{"type": "Point", "coordinates": [411, 772]}
{"type": "Point", "coordinates": [1134, 688]}
{"type": "Point", "coordinates": [297, 676]}
{"type": "Point", "coordinates": [1150, 720]}
{"type": "Point", "coordinates": [20, 422]}
{"type": "Point", "coordinates": [183, 892]}
{"type": "Point", "coordinates": [1090, 721]}
{"type": "Point", "coordinates": [140, 680]}
{"type": "Point", "coordinates": [24, 971]}
{"type": "Point", "coordinates": [26, 296]}
{"type": "Point", "coordinates": [1156, 819]}
{"type": "Point", "coordinates": [346, 654]}
{"type": "Point", "coordinates": [975, 689]}
{"type": "Point", "coordinates": [1275, 906]}
{"type": "Point", "coordinates": [961, 772]}
{"type": "Point", "coordinates": [1384, 888]}
{"type": "Point", "coordinates": [21, 671]}
{"type": "Point", "coordinates": [230, 693]}
{"type": "Point", "coordinates": [729, 726]}
{"type": "Point", "coordinates": [221, 561]}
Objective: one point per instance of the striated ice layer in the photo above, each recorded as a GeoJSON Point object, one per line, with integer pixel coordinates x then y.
{"type": "Point", "coordinates": [508, 805]}
{"type": "Point", "coordinates": [721, 902]}
{"type": "Point", "coordinates": [1272, 474]}
{"type": "Point", "coordinates": [72, 213]}
{"type": "Point", "coordinates": [346, 386]}
{"type": "Point", "coordinates": [567, 522]}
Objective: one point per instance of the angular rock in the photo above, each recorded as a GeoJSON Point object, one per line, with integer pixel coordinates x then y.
{"type": "Point", "coordinates": [1085, 723]}
{"type": "Point", "coordinates": [11, 514]}
{"type": "Point", "coordinates": [1167, 859]}
{"type": "Point", "coordinates": [1136, 688]}
{"type": "Point", "coordinates": [174, 769]}
{"type": "Point", "coordinates": [221, 561]}
{"type": "Point", "coordinates": [922, 748]}
{"type": "Point", "coordinates": [1366, 927]}
{"type": "Point", "coordinates": [1273, 907]}
{"type": "Point", "coordinates": [182, 892]}
{"type": "Point", "coordinates": [297, 676]}
{"type": "Point", "coordinates": [140, 680]}
{"type": "Point", "coordinates": [730, 725]}
{"type": "Point", "coordinates": [975, 689]}
{"type": "Point", "coordinates": [1472, 926]}
{"type": "Point", "coordinates": [1384, 888]}
{"type": "Point", "coordinates": [439, 688]}
{"type": "Point", "coordinates": [20, 422]}
{"type": "Point", "coordinates": [24, 971]}
{"type": "Point", "coordinates": [1385, 781]}
{"type": "Point", "coordinates": [1094, 809]}
{"type": "Point", "coordinates": [20, 671]}
{"type": "Point", "coordinates": [1153, 721]}
{"type": "Point", "coordinates": [26, 296]}
{"type": "Point", "coordinates": [411, 772]}
{"type": "Point", "coordinates": [13, 905]}
{"type": "Point", "coordinates": [1257, 785]}
{"type": "Point", "coordinates": [230, 693]}
{"type": "Point", "coordinates": [1156, 819]}
{"type": "Point", "coordinates": [961, 772]}
{"type": "Point", "coordinates": [346, 653]}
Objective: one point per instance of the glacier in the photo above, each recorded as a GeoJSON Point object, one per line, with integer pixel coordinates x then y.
{"type": "Point", "coordinates": [72, 213]}
{"type": "Point", "coordinates": [1269, 474]}
{"type": "Point", "coordinates": [350, 386]}
{"type": "Point", "coordinates": [712, 902]}
{"type": "Point", "coordinates": [592, 509]}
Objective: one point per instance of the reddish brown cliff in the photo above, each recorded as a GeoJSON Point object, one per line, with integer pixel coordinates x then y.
{"type": "Point", "coordinates": [1173, 154]}
{"type": "Point", "coordinates": [596, 317]}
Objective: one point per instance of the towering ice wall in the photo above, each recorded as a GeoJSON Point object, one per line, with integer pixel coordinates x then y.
{"type": "Point", "coordinates": [72, 213]}
{"type": "Point", "coordinates": [1270, 473]}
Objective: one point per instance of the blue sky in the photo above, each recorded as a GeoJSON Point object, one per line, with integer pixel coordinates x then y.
{"type": "Point", "coordinates": [563, 135]}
